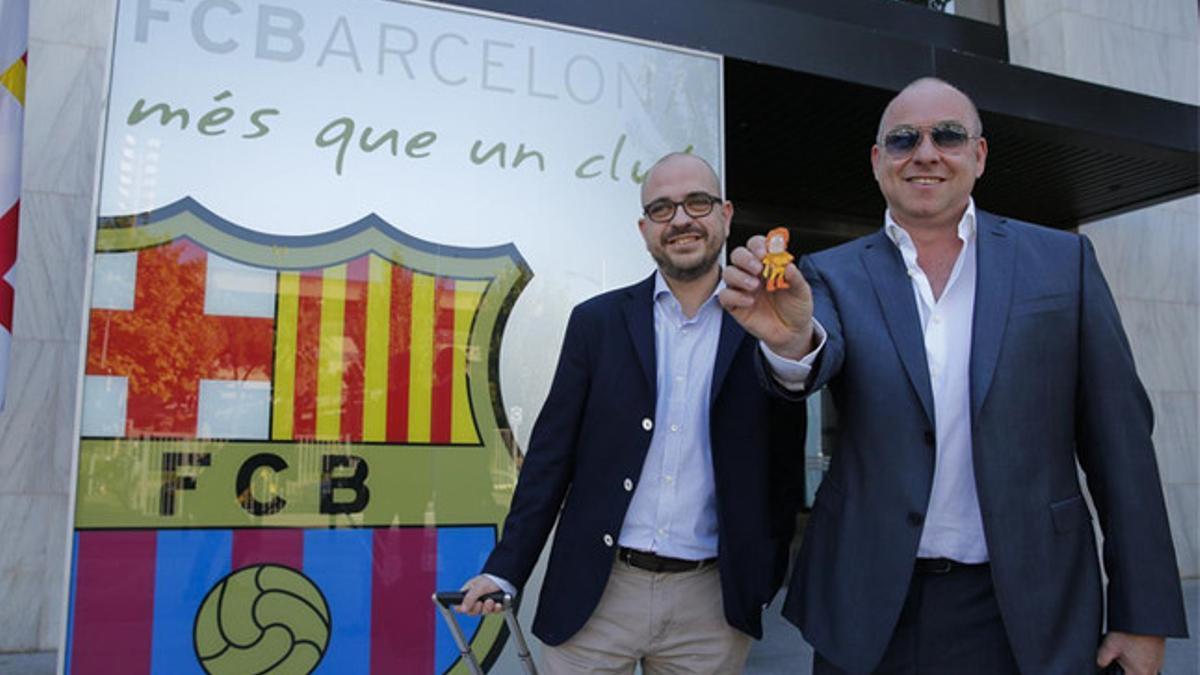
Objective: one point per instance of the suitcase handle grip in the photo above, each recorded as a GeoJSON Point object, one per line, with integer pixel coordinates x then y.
{"type": "Point", "coordinates": [452, 598]}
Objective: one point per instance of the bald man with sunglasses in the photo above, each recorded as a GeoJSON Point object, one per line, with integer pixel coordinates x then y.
{"type": "Point", "coordinates": [973, 361]}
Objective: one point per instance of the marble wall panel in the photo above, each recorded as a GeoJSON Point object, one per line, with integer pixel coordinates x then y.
{"type": "Point", "coordinates": [54, 581]}
{"type": "Point", "coordinates": [52, 252]}
{"type": "Point", "coordinates": [83, 23]}
{"type": "Point", "coordinates": [1183, 58]}
{"type": "Point", "coordinates": [37, 427]}
{"type": "Point", "coordinates": [64, 103]}
{"type": "Point", "coordinates": [1150, 254]}
{"type": "Point", "coordinates": [62, 117]}
{"type": "Point", "coordinates": [1164, 339]}
{"type": "Point", "coordinates": [1020, 15]}
{"type": "Point", "coordinates": [25, 521]}
{"type": "Point", "coordinates": [1171, 17]}
{"type": "Point", "coordinates": [1177, 435]}
{"type": "Point", "coordinates": [1147, 47]}
{"type": "Point", "coordinates": [1039, 45]}
{"type": "Point", "coordinates": [1183, 504]}
{"type": "Point", "coordinates": [1187, 207]}
{"type": "Point", "coordinates": [1119, 55]}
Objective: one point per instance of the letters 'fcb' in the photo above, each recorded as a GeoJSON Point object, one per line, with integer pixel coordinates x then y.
{"type": "Point", "coordinates": [288, 444]}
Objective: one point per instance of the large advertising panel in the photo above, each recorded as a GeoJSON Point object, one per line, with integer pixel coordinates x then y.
{"type": "Point", "coordinates": [336, 248]}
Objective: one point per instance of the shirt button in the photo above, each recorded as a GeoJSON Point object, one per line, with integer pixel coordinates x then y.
{"type": "Point", "coordinates": [937, 318]}
{"type": "Point", "coordinates": [661, 531]}
{"type": "Point", "coordinates": [668, 479]}
{"type": "Point", "coordinates": [628, 485]}
{"type": "Point", "coordinates": [608, 540]}
{"type": "Point", "coordinates": [647, 423]}
{"type": "Point", "coordinates": [674, 427]}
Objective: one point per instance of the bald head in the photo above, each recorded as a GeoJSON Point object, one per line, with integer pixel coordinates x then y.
{"type": "Point", "coordinates": [712, 183]}
{"type": "Point", "coordinates": [927, 87]}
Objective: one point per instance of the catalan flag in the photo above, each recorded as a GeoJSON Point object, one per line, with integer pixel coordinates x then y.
{"type": "Point", "coordinates": [371, 351]}
{"type": "Point", "coordinates": [14, 24]}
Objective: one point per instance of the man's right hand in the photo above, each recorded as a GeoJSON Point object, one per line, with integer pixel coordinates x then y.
{"type": "Point", "coordinates": [781, 319]}
{"type": "Point", "coordinates": [475, 588]}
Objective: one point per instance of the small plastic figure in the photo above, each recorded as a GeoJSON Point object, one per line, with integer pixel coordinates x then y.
{"type": "Point", "coordinates": [776, 260]}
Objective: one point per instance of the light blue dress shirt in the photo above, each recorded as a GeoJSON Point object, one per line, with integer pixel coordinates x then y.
{"type": "Point", "coordinates": [674, 507]}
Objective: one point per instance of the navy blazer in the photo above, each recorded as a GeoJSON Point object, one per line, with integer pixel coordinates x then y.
{"type": "Point", "coordinates": [1052, 381]}
{"type": "Point", "coordinates": [592, 435]}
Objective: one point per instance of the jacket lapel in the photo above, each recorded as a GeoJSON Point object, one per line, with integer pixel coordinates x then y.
{"type": "Point", "coordinates": [894, 291]}
{"type": "Point", "coordinates": [639, 319]}
{"type": "Point", "coordinates": [993, 295]}
{"type": "Point", "coordinates": [727, 347]}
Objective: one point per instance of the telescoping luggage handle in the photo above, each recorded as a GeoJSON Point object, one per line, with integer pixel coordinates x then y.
{"type": "Point", "coordinates": [444, 600]}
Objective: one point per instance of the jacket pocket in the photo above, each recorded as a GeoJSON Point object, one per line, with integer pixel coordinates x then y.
{"type": "Point", "coordinates": [1069, 514]}
{"type": "Point", "coordinates": [1045, 303]}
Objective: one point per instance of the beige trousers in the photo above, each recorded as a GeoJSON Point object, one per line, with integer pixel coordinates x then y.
{"type": "Point", "coordinates": [670, 623]}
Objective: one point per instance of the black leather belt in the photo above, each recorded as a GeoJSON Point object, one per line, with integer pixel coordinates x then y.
{"type": "Point", "coordinates": [944, 566]}
{"type": "Point", "coordinates": [657, 563]}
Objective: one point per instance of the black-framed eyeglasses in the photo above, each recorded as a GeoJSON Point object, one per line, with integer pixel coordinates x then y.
{"type": "Point", "coordinates": [696, 205]}
{"type": "Point", "coordinates": [946, 136]}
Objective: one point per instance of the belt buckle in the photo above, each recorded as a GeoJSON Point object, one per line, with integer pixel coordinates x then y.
{"type": "Point", "coordinates": [632, 558]}
{"type": "Point", "coordinates": [935, 565]}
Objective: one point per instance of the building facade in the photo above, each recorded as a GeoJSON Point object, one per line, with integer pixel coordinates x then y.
{"type": "Point", "coordinates": [1148, 253]}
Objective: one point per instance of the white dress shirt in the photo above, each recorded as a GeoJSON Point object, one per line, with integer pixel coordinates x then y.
{"type": "Point", "coordinates": [674, 508]}
{"type": "Point", "coordinates": [953, 525]}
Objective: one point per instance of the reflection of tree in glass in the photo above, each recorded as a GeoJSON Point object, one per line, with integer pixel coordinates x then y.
{"type": "Point", "coordinates": [167, 344]}
{"type": "Point", "coordinates": [935, 5]}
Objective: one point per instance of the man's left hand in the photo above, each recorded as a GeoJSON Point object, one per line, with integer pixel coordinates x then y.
{"type": "Point", "coordinates": [1137, 654]}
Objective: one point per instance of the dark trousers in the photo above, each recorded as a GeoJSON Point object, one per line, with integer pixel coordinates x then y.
{"type": "Point", "coordinates": [950, 625]}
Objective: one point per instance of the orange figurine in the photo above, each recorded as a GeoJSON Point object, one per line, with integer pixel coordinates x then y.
{"type": "Point", "coordinates": [777, 258]}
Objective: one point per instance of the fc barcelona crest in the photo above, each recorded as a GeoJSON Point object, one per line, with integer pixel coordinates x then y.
{"type": "Point", "coordinates": [286, 430]}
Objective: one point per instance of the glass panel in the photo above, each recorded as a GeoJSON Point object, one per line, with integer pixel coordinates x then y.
{"type": "Point", "coordinates": [980, 10]}
{"type": "Point", "coordinates": [337, 247]}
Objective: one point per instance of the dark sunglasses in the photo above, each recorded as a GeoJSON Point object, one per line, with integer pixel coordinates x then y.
{"type": "Point", "coordinates": [946, 136]}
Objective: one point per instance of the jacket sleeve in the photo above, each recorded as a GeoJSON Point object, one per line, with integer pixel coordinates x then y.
{"type": "Point", "coordinates": [1114, 424]}
{"type": "Point", "coordinates": [549, 463]}
{"type": "Point", "coordinates": [829, 362]}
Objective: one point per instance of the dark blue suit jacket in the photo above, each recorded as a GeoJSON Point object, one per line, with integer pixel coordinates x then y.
{"type": "Point", "coordinates": [1052, 381]}
{"type": "Point", "coordinates": [590, 437]}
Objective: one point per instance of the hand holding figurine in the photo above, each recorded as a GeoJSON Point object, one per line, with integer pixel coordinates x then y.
{"type": "Point", "coordinates": [782, 319]}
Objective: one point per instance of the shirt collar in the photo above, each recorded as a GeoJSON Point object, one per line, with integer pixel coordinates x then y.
{"type": "Point", "coordinates": [901, 238]}
{"type": "Point", "coordinates": [661, 288]}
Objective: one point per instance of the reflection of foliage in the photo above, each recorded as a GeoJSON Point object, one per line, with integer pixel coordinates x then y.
{"type": "Point", "coordinates": [167, 343]}
{"type": "Point", "coordinates": [935, 5]}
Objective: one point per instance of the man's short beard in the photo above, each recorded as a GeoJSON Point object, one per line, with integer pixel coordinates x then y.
{"type": "Point", "coordinates": [691, 273]}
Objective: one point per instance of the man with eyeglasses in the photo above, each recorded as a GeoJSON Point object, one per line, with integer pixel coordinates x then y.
{"type": "Point", "coordinates": [668, 467]}
{"type": "Point", "coordinates": [973, 360]}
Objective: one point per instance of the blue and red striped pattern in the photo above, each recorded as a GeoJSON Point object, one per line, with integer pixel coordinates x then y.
{"type": "Point", "coordinates": [135, 593]}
